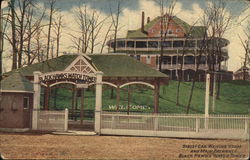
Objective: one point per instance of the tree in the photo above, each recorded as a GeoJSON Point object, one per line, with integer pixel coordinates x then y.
{"type": "Point", "coordinates": [184, 49]}
{"type": "Point", "coordinates": [106, 37]}
{"type": "Point", "coordinates": [39, 46]}
{"type": "Point", "coordinates": [246, 45]}
{"type": "Point", "coordinates": [96, 25]}
{"type": "Point", "coordinates": [24, 23]}
{"type": "Point", "coordinates": [90, 25]}
{"type": "Point", "coordinates": [34, 26]}
{"type": "Point", "coordinates": [52, 4]}
{"type": "Point", "coordinates": [166, 18]}
{"type": "Point", "coordinates": [82, 18]}
{"type": "Point", "coordinates": [202, 50]}
{"type": "Point", "coordinates": [1, 40]}
{"type": "Point", "coordinates": [220, 22]}
{"type": "Point", "coordinates": [58, 24]}
{"type": "Point", "coordinates": [13, 29]}
{"type": "Point", "coordinates": [115, 21]}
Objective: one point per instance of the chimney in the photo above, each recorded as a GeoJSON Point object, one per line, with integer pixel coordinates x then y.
{"type": "Point", "coordinates": [148, 19]}
{"type": "Point", "coordinates": [142, 22]}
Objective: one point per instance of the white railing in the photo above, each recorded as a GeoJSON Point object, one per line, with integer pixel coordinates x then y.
{"type": "Point", "coordinates": [176, 125]}
{"type": "Point", "coordinates": [52, 120]}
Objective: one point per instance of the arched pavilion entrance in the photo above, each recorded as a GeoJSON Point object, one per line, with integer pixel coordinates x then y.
{"type": "Point", "coordinates": [83, 71]}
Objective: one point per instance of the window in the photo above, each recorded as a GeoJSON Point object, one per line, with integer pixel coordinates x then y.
{"type": "Point", "coordinates": [178, 44]}
{"type": "Point", "coordinates": [167, 44]}
{"type": "Point", "coordinates": [141, 44]}
{"type": "Point", "coordinates": [190, 43]}
{"type": "Point", "coordinates": [178, 30]}
{"type": "Point", "coordinates": [189, 60]}
{"type": "Point", "coordinates": [112, 44]}
{"type": "Point", "coordinates": [148, 60]}
{"type": "Point", "coordinates": [152, 44]}
{"type": "Point", "coordinates": [165, 59]}
{"type": "Point", "coordinates": [121, 44]}
{"type": "Point", "coordinates": [203, 60]}
{"type": "Point", "coordinates": [138, 57]}
{"type": "Point", "coordinates": [26, 101]}
{"type": "Point", "coordinates": [170, 31]}
{"type": "Point", "coordinates": [130, 44]}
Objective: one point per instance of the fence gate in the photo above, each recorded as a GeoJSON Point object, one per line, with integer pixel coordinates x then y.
{"type": "Point", "coordinates": [52, 120]}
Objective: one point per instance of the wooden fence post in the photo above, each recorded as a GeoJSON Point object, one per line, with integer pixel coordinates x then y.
{"type": "Point", "coordinates": [66, 119]}
{"type": "Point", "coordinates": [197, 125]}
{"type": "Point", "coordinates": [113, 122]}
{"type": "Point", "coordinates": [155, 119]}
{"type": "Point", "coordinates": [246, 125]}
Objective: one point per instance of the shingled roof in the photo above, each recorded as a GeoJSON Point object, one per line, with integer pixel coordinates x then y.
{"type": "Point", "coordinates": [195, 31]}
{"type": "Point", "coordinates": [16, 82]}
{"type": "Point", "coordinates": [111, 65]}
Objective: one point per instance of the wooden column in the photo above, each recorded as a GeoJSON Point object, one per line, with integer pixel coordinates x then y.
{"type": "Point", "coordinates": [171, 58]}
{"type": "Point", "coordinates": [156, 96]}
{"type": "Point", "coordinates": [98, 102]}
{"type": "Point", "coordinates": [36, 100]}
{"type": "Point", "coordinates": [117, 98]}
{"type": "Point", "coordinates": [46, 98]}
{"type": "Point", "coordinates": [82, 105]}
{"type": "Point", "coordinates": [74, 94]}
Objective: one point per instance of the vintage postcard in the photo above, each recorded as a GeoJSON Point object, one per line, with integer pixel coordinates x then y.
{"type": "Point", "coordinates": [125, 79]}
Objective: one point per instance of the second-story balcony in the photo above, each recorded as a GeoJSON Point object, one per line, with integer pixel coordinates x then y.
{"type": "Point", "coordinates": [190, 67]}
{"type": "Point", "coordinates": [170, 46]}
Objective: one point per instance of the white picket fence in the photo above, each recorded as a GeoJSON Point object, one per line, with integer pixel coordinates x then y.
{"type": "Point", "coordinates": [176, 125]}
{"type": "Point", "coordinates": [52, 120]}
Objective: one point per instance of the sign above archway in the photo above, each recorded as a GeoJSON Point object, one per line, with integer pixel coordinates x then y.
{"type": "Point", "coordinates": [82, 78]}
{"type": "Point", "coordinates": [80, 72]}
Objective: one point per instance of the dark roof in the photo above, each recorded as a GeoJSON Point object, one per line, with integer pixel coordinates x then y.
{"type": "Point", "coordinates": [196, 31]}
{"type": "Point", "coordinates": [16, 82]}
{"type": "Point", "coordinates": [242, 69]}
{"type": "Point", "coordinates": [55, 64]}
{"type": "Point", "coordinates": [111, 65]}
{"type": "Point", "coordinates": [123, 66]}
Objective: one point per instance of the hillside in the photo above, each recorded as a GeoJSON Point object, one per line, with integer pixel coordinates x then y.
{"type": "Point", "coordinates": [234, 99]}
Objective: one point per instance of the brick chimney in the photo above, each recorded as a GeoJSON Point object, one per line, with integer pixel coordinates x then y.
{"type": "Point", "coordinates": [142, 21]}
{"type": "Point", "coordinates": [148, 19]}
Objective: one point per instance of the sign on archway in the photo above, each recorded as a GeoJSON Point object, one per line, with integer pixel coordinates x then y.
{"type": "Point", "coordinates": [76, 78]}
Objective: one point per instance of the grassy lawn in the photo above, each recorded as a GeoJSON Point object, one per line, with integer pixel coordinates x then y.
{"type": "Point", "coordinates": [234, 99]}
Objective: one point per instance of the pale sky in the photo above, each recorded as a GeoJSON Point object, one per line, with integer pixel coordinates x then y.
{"type": "Point", "coordinates": [187, 10]}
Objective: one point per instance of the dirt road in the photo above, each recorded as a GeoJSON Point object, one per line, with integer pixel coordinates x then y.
{"type": "Point", "coordinates": [48, 146]}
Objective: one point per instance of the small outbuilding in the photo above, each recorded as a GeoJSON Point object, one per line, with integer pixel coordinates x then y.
{"type": "Point", "coordinates": [16, 101]}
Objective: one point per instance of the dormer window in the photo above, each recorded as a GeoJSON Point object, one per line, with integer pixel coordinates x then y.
{"type": "Point", "coordinates": [170, 31]}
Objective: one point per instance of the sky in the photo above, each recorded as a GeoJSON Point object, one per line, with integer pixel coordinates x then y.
{"type": "Point", "coordinates": [187, 10]}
